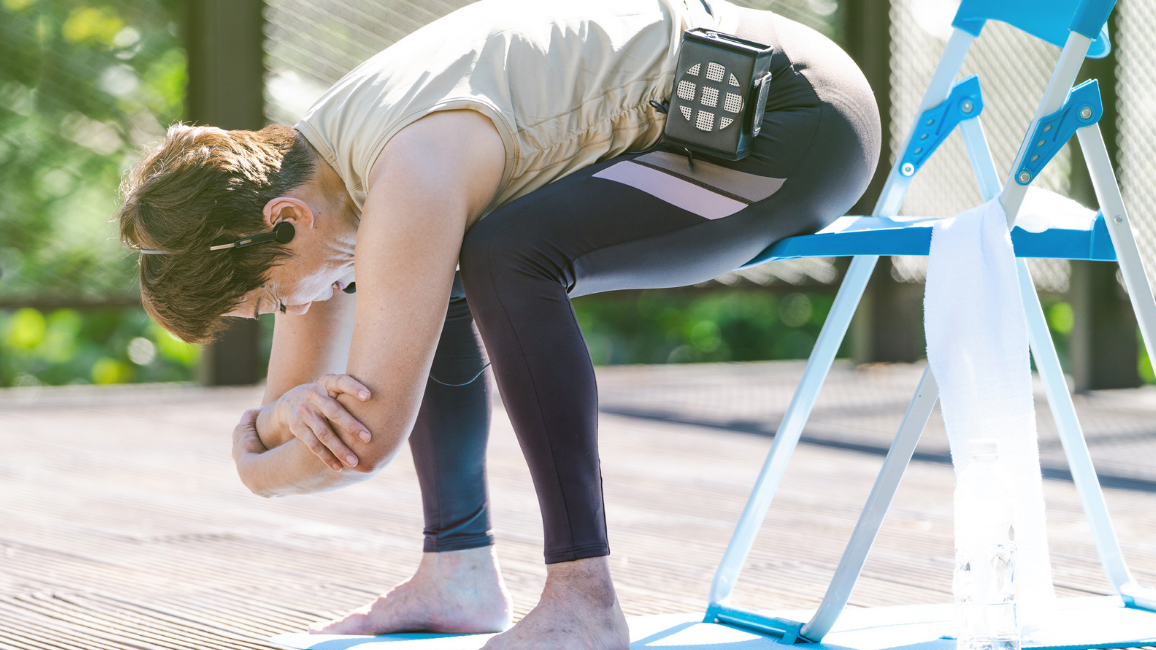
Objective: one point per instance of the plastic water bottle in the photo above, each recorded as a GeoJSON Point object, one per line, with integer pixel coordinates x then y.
{"type": "Point", "coordinates": [985, 551]}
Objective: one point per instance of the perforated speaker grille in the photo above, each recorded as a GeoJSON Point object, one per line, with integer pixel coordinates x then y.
{"type": "Point", "coordinates": [708, 92]}
{"type": "Point", "coordinates": [686, 90]}
{"type": "Point", "coordinates": [709, 96]}
{"type": "Point", "coordinates": [704, 121]}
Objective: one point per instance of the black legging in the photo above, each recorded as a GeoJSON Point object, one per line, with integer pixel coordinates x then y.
{"type": "Point", "coordinates": [634, 222]}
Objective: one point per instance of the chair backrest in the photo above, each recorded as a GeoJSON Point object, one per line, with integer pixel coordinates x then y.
{"type": "Point", "coordinates": [1048, 20]}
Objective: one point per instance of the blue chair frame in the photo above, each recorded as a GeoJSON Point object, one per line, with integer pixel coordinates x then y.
{"type": "Point", "coordinates": [1079, 26]}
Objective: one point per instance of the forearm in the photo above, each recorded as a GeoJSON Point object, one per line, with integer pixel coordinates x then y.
{"type": "Point", "coordinates": [272, 461]}
{"type": "Point", "coordinates": [291, 469]}
{"type": "Point", "coordinates": [272, 429]}
{"type": "Point", "coordinates": [307, 346]}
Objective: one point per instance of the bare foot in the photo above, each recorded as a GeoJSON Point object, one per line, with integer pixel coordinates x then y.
{"type": "Point", "coordinates": [578, 610]}
{"type": "Point", "coordinates": [455, 592]}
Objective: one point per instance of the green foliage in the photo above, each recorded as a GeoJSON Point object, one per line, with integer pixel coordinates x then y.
{"type": "Point", "coordinates": [106, 346]}
{"type": "Point", "coordinates": [1060, 318]}
{"type": "Point", "coordinates": [83, 85]}
{"type": "Point", "coordinates": [1144, 365]}
{"type": "Point", "coordinates": [680, 327]}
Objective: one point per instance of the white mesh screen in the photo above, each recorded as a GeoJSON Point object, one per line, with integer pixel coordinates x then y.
{"type": "Point", "coordinates": [310, 44]}
{"type": "Point", "coordinates": [733, 103]}
{"type": "Point", "coordinates": [1136, 87]}
{"type": "Point", "coordinates": [686, 90]}
{"type": "Point", "coordinates": [709, 96]}
{"type": "Point", "coordinates": [724, 122]}
{"type": "Point", "coordinates": [694, 70]}
{"type": "Point", "coordinates": [715, 72]}
{"type": "Point", "coordinates": [704, 121]}
{"type": "Point", "coordinates": [734, 80]}
{"type": "Point", "coordinates": [686, 112]}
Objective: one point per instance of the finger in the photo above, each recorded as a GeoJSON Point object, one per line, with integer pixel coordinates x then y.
{"type": "Point", "coordinates": [245, 440]}
{"type": "Point", "coordinates": [345, 384]}
{"type": "Point", "coordinates": [303, 433]}
{"type": "Point", "coordinates": [325, 434]}
{"type": "Point", "coordinates": [245, 433]}
{"type": "Point", "coordinates": [336, 414]}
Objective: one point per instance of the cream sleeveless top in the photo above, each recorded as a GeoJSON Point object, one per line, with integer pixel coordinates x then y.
{"type": "Point", "coordinates": [567, 83]}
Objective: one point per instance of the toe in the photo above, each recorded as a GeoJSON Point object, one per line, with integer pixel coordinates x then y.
{"type": "Point", "coordinates": [352, 623]}
{"type": "Point", "coordinates": [319, 627]}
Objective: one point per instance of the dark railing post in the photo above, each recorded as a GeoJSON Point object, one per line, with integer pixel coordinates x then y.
{"type": "Point", "coordinates": [1103, 351]}
{"type": "Point", "coordinates": [889, 323]}
{"type": "Point", "coordinates": [225, 44]}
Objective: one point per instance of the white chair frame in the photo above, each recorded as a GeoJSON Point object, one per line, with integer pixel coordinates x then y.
{"type": "Point", "coordinates": [1042, 348]}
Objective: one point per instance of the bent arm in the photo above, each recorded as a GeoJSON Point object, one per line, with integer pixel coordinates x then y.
{"type": "Point", "coordinates": [305, 347]}
{"type": "Point", "coordinates": [433, 180]}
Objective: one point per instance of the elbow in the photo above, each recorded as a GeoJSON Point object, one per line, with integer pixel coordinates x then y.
{"type": "Point", "coordinates": [260, 490]}
{"type": "Point", "coordinates": [248, 479]}
{"type": "Point", "coordinates": [371, 464]}
{"type": "Point", "coordinates": [376, 458]}
{"type": "Point", "coordinates": [264, 494]}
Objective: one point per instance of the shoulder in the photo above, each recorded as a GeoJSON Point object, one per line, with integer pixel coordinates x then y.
{"type": "Point", "coordinates": [457, 151]}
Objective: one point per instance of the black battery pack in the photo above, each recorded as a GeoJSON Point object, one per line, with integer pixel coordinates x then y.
{"type": "Point", "coordinates": [719, 95]}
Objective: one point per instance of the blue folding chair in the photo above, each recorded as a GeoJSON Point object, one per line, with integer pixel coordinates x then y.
{"type": "Point", "coordinates": [1079, 27]}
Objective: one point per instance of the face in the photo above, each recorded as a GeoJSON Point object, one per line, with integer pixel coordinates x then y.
{"type": "Point", "coordinates": [320, 264]}
{"type": "Point", "coordinates": [299, 281]}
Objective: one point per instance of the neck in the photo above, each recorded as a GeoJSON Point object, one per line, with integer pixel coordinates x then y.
{"type": "Point", "coordinates": [327, 196]}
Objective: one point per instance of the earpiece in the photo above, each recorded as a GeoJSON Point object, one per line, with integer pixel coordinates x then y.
{"type": "Point", "coordinates": [283, 232]}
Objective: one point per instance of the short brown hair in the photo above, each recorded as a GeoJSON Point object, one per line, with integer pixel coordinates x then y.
{"type": "Point", "coordinates": [201, 187]}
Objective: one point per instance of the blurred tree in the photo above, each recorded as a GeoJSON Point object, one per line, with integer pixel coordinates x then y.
{"type": "Point", "coordinates": [656, 326]}
{"type": "Point", "coordinates": [83, 85]}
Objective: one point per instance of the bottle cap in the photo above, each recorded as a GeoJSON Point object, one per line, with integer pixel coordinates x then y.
{"type": "Point", "coordinates": [983, 447]}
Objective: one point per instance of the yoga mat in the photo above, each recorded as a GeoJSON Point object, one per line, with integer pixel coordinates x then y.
{"type": "Point", "coordinates": [1096, 622]}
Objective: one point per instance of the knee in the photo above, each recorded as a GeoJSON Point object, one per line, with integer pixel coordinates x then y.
{"type": "Point", "coordinates": [474, 259]}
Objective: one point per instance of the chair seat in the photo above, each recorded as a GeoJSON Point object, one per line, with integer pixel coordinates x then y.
{"type": "Point", "coordinates": [1062, 238]}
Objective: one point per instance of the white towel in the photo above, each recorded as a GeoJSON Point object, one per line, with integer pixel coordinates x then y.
{"type": "Point", "coordinates": [977, 346]}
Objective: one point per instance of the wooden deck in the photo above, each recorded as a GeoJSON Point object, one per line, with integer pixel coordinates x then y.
{"type": "Point", "coordinates": [123, 525]}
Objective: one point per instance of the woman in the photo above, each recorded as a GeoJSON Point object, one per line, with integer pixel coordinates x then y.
{"type": "Point", "coordinates": [499, 140]}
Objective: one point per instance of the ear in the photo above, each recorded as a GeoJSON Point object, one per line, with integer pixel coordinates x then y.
{"type": "Point", "coordinates": [287, 208]}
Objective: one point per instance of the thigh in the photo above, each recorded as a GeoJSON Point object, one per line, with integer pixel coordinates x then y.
{"type": "Point", "coordinates": [641, 222]}
{"type": "Point", "coordinates": [660, 219]}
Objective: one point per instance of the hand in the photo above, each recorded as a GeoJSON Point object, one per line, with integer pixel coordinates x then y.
{"type": "Point", "coordinates": [245, 438]}
{"type": "Point", "coordinates": [316, 418]}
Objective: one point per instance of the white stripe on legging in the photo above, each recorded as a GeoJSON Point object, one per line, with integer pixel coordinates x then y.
{"type": "Point", "coordinates": [673, 190]}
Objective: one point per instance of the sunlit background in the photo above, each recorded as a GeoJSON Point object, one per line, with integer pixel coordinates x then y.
{"type": "Point", "coordinates": [85, 85]}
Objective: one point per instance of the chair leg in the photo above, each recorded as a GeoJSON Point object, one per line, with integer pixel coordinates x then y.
{"type": "Point", "coordinates": [1139, 291]}
{"type": "Point", "coordinates": [982, 165]}
{"type": "Point", "coordinates": [1112, 205]}
{"type": "Point", "coordinates": [1044, 351]}
{"type": "Point", "coordinates": [791, 428]}
{"type": "Point", "coordinates": [871, 519]}
{"type": "Point", "coordinates": [1071, 435]}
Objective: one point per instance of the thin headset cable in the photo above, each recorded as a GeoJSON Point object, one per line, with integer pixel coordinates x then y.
{"type": "Point", "coordinates": [475, 378]}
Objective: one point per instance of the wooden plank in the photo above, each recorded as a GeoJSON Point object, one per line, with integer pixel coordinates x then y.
{"type": "Point", "coordinates": [123, 525]}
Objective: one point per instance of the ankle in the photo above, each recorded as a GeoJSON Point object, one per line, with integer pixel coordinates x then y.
{"type": "Point", "coordinates": [456, 564]}
{"type": "Point", "coordinates": [587, 578]}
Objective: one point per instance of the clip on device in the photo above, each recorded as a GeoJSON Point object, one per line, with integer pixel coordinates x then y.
{"type": "Point", "coordinates": [720, 92]}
